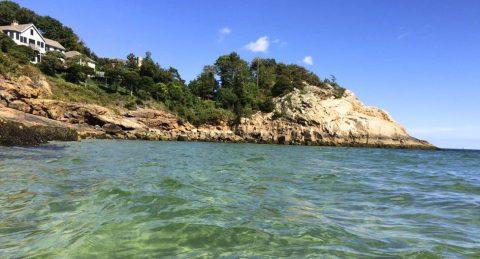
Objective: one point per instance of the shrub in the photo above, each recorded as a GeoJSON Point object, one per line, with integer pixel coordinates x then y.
{"type": "Point", "coordinates": [7, 65]}
{"type": "Point", "coordinates": [201, 111]}
{"type": "Point", "coordinates": [5, 42]}
{"type": "Point", "coordinates": [51, 63]}
{"type": "Point", "coordinates": [267, 106]}
{"type": "Point", "coordinates": [31, 72]}
{"type": "Point", "coordinates": [22, 54]}
{"type": "Point", "coordinates": [78, 73]}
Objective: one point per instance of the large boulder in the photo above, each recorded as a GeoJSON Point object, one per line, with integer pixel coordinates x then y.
{"type": "Point", "coordinates": [18, 128]}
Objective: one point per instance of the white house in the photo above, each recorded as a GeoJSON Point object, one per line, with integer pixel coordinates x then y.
{"type": "Point", "coordinates": [83, 60]}
{"type": "Point", "coordinates": [29, 35]}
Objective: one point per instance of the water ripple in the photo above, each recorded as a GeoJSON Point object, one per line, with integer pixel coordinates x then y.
{"type": "Point", "coordinates": [174, 199]}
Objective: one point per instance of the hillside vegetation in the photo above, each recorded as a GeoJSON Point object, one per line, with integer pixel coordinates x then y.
{"type": "Point", "coordinates": [227, 90]}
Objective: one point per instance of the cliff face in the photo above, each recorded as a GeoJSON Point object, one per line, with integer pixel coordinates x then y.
{"type": "Point", "coordinates": [311, 116]}
{"type": "Point", "coordinates": [314, 116]}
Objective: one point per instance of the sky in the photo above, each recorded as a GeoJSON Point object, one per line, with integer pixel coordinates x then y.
{"type": "Point", "coordinates": [418, 60]}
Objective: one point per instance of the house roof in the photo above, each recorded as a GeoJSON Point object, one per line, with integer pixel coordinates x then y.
{"type": "Point", "coordinates": [23, 27]}
{"type": "Point", "coordinates": [74, 53]}
{"type": "Point", "coordinates": [16, 27]}
{"type": "Point", "coordinates": [54, 43]}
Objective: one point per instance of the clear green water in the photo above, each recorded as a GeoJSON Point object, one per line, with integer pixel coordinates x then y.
{"type": "Point", "coordinates": [134, 199]}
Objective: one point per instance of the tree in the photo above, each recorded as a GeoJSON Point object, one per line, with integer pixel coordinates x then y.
{"type": "Point", "coordinates": [231, 67]}
{"type": "Point", "coordinates": [8, 11]}
{"type": "Point", "coordinates": [205, 85]}
{"type": "Point", "coordinates": [227, 98]}
{"type": "Point", "coordinates": [52, 63]}
{"type": "Point", "coordinates": [131, 80]}
{"type": "Point", "coordinates": [234, 73]}
{"type": "Point", "coordinates": [145, 87]}
{"type": "Point", "coordinates": [264, 71]}
{"type": "Point", "coordinates": [282, 86]}
{"type": "Point", "coordinates": [175, 76]}
{"type": "Point", "coordinates": [132, 62]}
{"type": "Point", "coordinates": [159, 91]}
{"type": "Point", "coordinates": [76, 74]}
{"type": "Point", "coordinates": [115, 75]}
{"type": "Point", "coordinates": [175, 92]}
{"type": "Point", "coordinates": [5, 42]}
{"type": "Point", "coordinates": [148, 67]}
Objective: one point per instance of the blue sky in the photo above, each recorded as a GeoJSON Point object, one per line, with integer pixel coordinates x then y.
{"type": "Point", "coordinates": [418, 60]}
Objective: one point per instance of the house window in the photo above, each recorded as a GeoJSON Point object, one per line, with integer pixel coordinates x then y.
{"type": "Point", "coordinates": [42, 45]}
{"type": "Point", "coordinates": [31, 31]}
{"type": "Point", "coordinates": [17, 35]}
{"type": "Point", "coordinates": [30, 41]}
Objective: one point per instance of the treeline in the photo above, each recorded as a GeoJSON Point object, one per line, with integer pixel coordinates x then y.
{"type": "Point", "coordinates": [51, 28]}
{"type": "Point", "coordinates": [229, 89]}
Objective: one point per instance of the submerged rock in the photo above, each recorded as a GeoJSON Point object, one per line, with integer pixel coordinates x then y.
{"type": "Point", "coordinates": [15, 133]}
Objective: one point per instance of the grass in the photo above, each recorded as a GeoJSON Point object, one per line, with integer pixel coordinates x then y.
{"type": "Point", "coordinates": [95, 92]}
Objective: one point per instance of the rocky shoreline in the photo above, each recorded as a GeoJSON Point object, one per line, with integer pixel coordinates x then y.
{"type": "Point", "coordinates": [303, 117]}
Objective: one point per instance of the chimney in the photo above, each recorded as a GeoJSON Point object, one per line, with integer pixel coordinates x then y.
{"type": "Point", "coordinates": [15, 22]}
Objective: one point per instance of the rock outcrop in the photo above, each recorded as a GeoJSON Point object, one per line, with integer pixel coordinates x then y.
{"type": "Point", "coordinates": [311, 116]}
{"type": "Point", "coordinates": [19, 128]}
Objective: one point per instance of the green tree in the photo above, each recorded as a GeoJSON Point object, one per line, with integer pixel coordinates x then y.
{"type": "Point", "coordinates": [234, 73]}
{"type": "Point", "coordinates": [52, 63]}
{"type": "Point", "coordinates": [175, 92]}
{"type": "Point", "coordinates": [77, 73]}
{"type": "Point", "coordinates": [115, 76]}
{"type": "Point", "coordinates": [205, 85]}
{"type": "Point", "coordinates": [148, 67]}
{"type": "Point", "coordinates": [5, 42]}
{"type": "Point", "coordinates": [231, 67]}
{"type": "Point", "coordinates": [159, 92]}
{"type": "Point", "coordinates": [282, 85]}
{"type": "Point", "coordinates": [131, 81]}
{"type": "Point", "coordinates": [132, 62]}
{"type": "Point", "coordinates": [8, 12]}
{"type": "Point", "coordinates": [264, 71]}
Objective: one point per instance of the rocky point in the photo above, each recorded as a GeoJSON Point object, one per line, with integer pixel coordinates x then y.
{"type": "Point", "coordinates": [310, 116]}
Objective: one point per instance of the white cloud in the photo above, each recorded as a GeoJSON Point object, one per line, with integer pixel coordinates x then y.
{"type": "Point", "coordinates": [260, 45]}
{"type": "Point", "coordinates": [308, 60]}
{"type": "Point", "coordinates": [276, 41]}
{"type": "Point", "coordinates": [225, 31]}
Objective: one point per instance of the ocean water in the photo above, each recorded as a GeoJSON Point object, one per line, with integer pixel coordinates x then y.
{"type": "Point", "coordinates": [136, 199]}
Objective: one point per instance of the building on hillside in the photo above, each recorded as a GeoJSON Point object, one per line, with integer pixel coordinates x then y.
{"type": "Point", "coordinates": [29, 35]}
{"type": "Point", "coordinates": [83, 60]}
